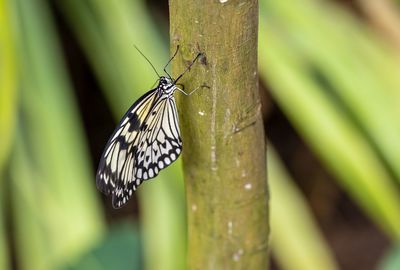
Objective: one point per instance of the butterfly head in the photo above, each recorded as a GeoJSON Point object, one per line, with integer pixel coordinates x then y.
{"type": "Point", "coordinates": [166, 85]}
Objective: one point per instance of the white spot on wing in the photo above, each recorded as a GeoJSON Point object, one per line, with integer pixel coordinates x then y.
{"type": "Point", "coordinates": [131, 136]}
{"type": "Point", "coordinates": [108, 154]}
{"type": "Point", "coordinates": [116, 134]}
{"type": "Point", "coordinates": [161, 164]}
{"type": "Point", "coordinates": [161, 136]}
{"type": "Point", "coordinates": [114, 158]}
{"type": "Point", "coordinates": [130, 169]}
{"type": "Point", "coordinates": [167, 161]}
{"type": "Point", "coordinates": [121, 158]}
{"type": "Point", "coordinates": [168, 146]}
{"type": "Point", "coordinates": [125, 130]}
{"type": "Point", "coordinates": [165, 125]}
{"type": "Point", "coordinates": [125, 121]}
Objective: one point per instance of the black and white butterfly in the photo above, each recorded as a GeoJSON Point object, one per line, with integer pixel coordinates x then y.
{"type": "Point", "coordinates": [146, 140]}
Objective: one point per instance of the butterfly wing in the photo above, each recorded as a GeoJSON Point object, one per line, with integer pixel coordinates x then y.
{"type": "Point", "coordinates": [160, 143]}
{"type": "Point", "coordinates": [115, 174]}
{"type": "Point", "coordinates": [146, 140]}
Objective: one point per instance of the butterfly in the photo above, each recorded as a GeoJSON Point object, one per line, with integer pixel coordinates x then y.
{"type": "Point", "coordinates": [146, 140]}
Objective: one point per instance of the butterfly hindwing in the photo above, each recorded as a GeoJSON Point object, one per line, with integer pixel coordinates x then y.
{"type": "Point", "coordinates": [159, 143]}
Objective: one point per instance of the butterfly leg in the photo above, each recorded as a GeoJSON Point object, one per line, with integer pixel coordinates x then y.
{"type": "Point", "coordinates": [191, 92]}
{"type": "Point", "coordinates": [188, 67]}
{"type": "Point", "coordinates": [182, 87]}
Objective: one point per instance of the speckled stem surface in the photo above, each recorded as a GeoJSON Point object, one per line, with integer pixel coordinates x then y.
{"type": "Point", "coordinates": [222, 132]}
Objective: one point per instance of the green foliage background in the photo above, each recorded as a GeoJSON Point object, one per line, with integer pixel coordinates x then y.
{"type": "Point", "coordinates": [334, 76]}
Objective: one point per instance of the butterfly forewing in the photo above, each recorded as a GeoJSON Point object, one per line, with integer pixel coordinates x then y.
{"type": "Point", "coordinates": [120, 152]}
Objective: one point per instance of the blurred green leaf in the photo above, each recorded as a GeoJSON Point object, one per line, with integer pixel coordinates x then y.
{"type": "Point", "coordinates": [8, 96]}
{"type": "Point", "coordinates": [119, 250]}
{"type": "Point", "coordinates": [4, 252]}
{"type": "Point", "coordinates": [392, 260]}
{"type": "Point", "coordinates": [33, 250]}
{"type": "Point", "coordinates": [52, 185]}
{"type": "Point", "coordinates": [163, 220]}
{"type": "Point", "coordinates": [296, 241]}
{"type": "Point", "coordinates": [319, 117]}
{"type": "Point", "coordinates": [359, 68]}
{"type": "Point", "coordinates": [8, 83]}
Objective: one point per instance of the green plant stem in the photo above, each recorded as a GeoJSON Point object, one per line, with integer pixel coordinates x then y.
{"type": "Point", "coordinates": [223, 134]}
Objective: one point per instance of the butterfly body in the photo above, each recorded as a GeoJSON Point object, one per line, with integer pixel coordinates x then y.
{"type": "Point", "coordinates": [146, 140]}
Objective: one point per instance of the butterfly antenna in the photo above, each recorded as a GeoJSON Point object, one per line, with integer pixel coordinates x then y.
{"type": "Point", "coordinates": [147, 60]}
{"type": "Point", "coordinates": [188, 67]}
{"type": "Point", "coordinates": [173, 56]}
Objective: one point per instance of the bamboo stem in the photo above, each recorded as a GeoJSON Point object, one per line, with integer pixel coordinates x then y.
{"type": "Point", "coordinates": [223, 134]}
